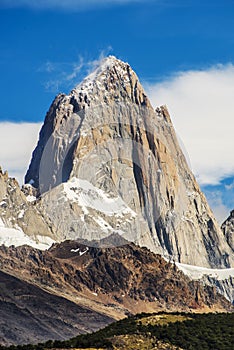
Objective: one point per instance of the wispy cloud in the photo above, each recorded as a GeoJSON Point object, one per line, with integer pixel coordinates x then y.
{"type": "Point", "coordinates": [65, 75]}
{"type": "Point", "coordinates": [77, 67]}
{"type": "Point", "coordinates": [201, 104]}
{"type": "Point", "coordinates": [74, 5]}
{"type": "Point", "coordinates": [49, 67]}
{"type": "Point", "coordinates": [59, 74]}
{"type": "Point", "coordinates": [17, 140]}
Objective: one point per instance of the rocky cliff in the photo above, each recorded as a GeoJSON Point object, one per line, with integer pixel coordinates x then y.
{"type": "Point", "coordinates": [221, 279]}
{"type": "Point", "coordinates": [20, 220]}
{"type": "Point", "coordinates": [228, 229]}
{"type": "Point", "coordinates": [106, 162]}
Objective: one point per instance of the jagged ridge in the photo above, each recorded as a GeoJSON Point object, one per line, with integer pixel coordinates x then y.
{"type": "Point", "coordinates": [130, 276]}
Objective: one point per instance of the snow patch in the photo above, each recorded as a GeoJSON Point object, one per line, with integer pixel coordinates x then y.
{"type": "Point", "coordinates": [31, 198]}
{"type": "Point", "coordinates": [1, 223]}
{"type": "Point", "coordinates": [75, 250]}
{"type": "Point", "coordinates": [85, 251]}
{"type": "Point", "coordinates": [21, 214]}
{"type": "Point", "coordinates": [78, 251]}
{"type": "Point", "coordinates": [16, 237]}
{"type": "Point", "coordinates": [103, 224]}
{"type": "Point", "coordinates": [197, 272]}
{"type": "Point", "coordinates": [99, 74]}
{"type": "Point", "coordinates": [89, 196]}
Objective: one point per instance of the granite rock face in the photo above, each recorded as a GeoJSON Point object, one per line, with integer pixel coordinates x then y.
{"type": "Point", "coordinates": [107, 162]}
{"type": "Point", "coordinates": [221, 279]}
{"type": "Point", "coordinates": [20, 220]}
{"type": "Point", "coordinates": [228, 229]}
{"type": "Point", "coordinates": [224, 287]}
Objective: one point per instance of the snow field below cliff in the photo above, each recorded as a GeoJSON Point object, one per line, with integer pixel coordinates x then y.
{"type": "Point", "coordinates": [197, 272]}
{"type": "Point", "coordinates": [16, 237]}
{"type": "Point", "coordinates": [89, 196]}
{"type": "Point", "coordinates": [107, 211]}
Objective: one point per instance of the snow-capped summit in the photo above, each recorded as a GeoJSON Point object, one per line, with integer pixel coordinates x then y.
{"type": "Point", "coordinates": [113, 79]}
{"type": "Point", "coordinates": [104, 66]}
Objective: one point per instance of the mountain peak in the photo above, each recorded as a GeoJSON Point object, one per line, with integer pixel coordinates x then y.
{"type": "Point", "coordinates": [112, 80]}
{"type": "Point", "coordinates": [111, 164]}
{"type": "Point", "coordinates": [105, 66]}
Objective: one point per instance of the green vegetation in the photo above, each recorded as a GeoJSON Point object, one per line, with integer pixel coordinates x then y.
{"type": "Point", "coordinates": [180, 330]}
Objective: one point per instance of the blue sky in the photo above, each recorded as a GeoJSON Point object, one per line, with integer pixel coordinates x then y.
{"type": "Point", "coordinates": [183, 52]}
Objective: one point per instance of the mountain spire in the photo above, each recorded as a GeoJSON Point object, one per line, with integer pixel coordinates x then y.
{"type": "Point", "coordinates": [106, 163]}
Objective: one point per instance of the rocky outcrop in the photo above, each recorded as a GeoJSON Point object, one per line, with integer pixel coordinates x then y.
{"type": "Point", "coordinates": [20, 220]}
{"type": "Point", "coordinates": [221, 279]}
{"type": "Point", "coordinates": [93, 285]}
{"type": "Point", "coordinates": [228, 229]}
{"type": "Point", "coordinates": [223, 286]}
{"type": "Point", "coordinates": [104, 144]}
{"type": "Point", "coordinates": [116, 281]}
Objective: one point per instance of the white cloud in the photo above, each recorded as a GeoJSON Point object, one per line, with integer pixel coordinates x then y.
{"type": "Point", "coordinates": [17, 141]}
{"type": "Point", "coordinates": [77, 5]}
{"type": "Point", "coordinates": [201, 104]}
{"type": "Point", "coordinates": [219, 209]}
{"type": "Point", "coordinates": [229, 187]}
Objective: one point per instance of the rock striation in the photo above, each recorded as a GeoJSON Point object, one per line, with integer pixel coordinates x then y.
{"type": "Point", "coordinates": [221, 279]}
{"type": "Point", "coordinates": [228, 229]}
{"type": "Point", "coordinates": [112, 164]}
